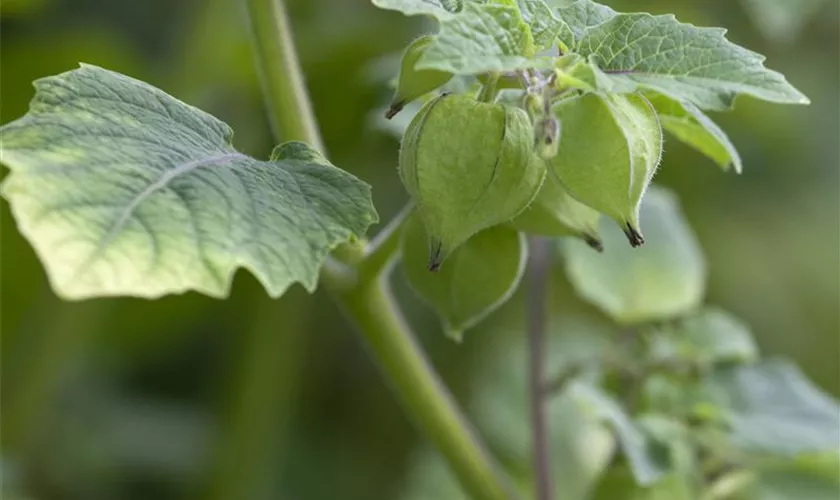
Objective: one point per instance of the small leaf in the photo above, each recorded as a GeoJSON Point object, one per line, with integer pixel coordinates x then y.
{"type": "Point", "coordinates": [124, 190]}
{"type": "Point", "coordinates": [555, 213]}
{"type": "Point", "coordinates": [773, 408]}
{"type": "Point", "coordinates": [690, 125]}
{"type": "Point", "coordinates": [483, 38]}
{"type": "Point", "coordinates": [709, 337]}
{"type": "Point", "coordinates": [579, 17]}
{"type": "Point", "coordinates": [665, 278]}
{"type": "Point", "coordinates": [469, 166]}
{"type": "Point", "coordinates": [679, 60]}
{"type": "Point", "coordinates": [646, 461]}
{"type": "Point", "coordinates": [545, 26]}
{"type": "Point", "coordinates": [413, 83]}
{"type": "Point", "coordinates": [609, 151]}
{"type": "Point", "coordinates": [473, 282]}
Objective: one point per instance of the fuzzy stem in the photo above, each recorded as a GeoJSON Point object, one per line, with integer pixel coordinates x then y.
{"type": "Point", "coordinates": [360, 288]}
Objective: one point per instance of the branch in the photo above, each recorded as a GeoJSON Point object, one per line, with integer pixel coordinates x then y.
{"type": "Point", "coordinates": [365, 298]}
{"type": "Point", "coordinates": [538, 270]}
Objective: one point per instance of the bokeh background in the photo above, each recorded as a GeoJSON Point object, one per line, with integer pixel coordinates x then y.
{"type": "Point", "coordinates": [189, 397]}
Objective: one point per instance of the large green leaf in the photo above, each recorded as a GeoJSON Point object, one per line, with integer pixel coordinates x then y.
{"type": "Point", "coordinates": [664, 278]}
{"type": "Point", "coordinates": [680, 60]}
{"type": "Point", "coordinates": [691, 126]}
{"type": "Point", "coordinates": [474, 281]}
{"type": "Point", "coordinates": [773, 408]}
{"type": "Point", "coordinates": [546, 28]}
{"type": "Point", "coordinates": [124, 190]}
{"type": "Point", "coordinates": [579, 17]}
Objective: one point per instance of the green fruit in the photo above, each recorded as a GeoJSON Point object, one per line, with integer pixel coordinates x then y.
{"type": "Point", "coordinates": [554, 212]}
{"type": "Point", "coordinates": [413, 83]}
{"type": "Point", "coordinates": [609, 151]}
{"type": "Point", "coordinates": [468, 165]}
{"type": "Point", "coordinates": [475, 281]}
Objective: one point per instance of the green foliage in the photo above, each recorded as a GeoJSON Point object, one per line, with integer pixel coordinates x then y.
{"type": "Point", "coordinates": [468, 165]}
{"type": "Point", "coordinates": [473, 282]}
{"type": "Point", "coordinates": [691, 126]}
{"type": "Point", "coordinates": [124, 190]}
{"type": "Point", "coordinates": [663, 279]}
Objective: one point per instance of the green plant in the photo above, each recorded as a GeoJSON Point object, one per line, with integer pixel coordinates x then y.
{"type": "Point", "coordinates": [123, 190]}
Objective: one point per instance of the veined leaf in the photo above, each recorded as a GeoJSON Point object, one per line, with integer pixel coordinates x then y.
{"type": "Point", "coordinates": [579, 17]}
{"type": "Point", "coordinates": [125, 190]}
{"type": "Point", "coordinates": [546, 28]}
{"type": "Point", "coordinates": [691, 126]}
{"type": "Point", "coordinates": [679, 60]}
{"type": "Point", "coordinates": [473, 282]}
{"type": "Point", "coordinates": [483, 38]}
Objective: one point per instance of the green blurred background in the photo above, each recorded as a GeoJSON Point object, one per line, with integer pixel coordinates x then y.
{"type": "Point", "coordinates": [189, 397]}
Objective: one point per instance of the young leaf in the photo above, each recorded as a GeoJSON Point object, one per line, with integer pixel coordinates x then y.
{"type": "Point", "coordinates": [468, 165]}
{"type": "Point", "coordinates": [476, 279]}
{"type": "Point", "coordinates": [546, 28]}
{"type": "Point", "coordinates": [413, 83]}
{"type": "Point", "coordinates": [555, 213]}
{"type": "Point", "coordinates": [579, 17]}
{"type": "Point", "coordinates": [664, 279]}
{"type": "Point", "coordinates": [690, 125]}
{"type": "Point", "coordinates": [609, 151]}
{"type": "Point", "coordinates": [773, 408]}
{"type": "Point", "coordinates": [680, 60]}
{"type": "Point", "coordinates": [645, 463]}
{"type": "Point", "coordinates": [124, 190]}
{"type": "Point", "coordinates": [709, 337]}
{"type": "Point", "coordinates": [482, 38]}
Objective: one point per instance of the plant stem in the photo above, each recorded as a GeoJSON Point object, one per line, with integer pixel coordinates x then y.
{"type": "Point", "coordinates": [371, 308]}
{"type": "Point", "coordinates": [538, 268]}
{"type": "Point", "coordinates": [490, 89]}
{"type": "Point", "coordinates": [290, 111]}
{"type": "Point", "coordinates": [361, 290]}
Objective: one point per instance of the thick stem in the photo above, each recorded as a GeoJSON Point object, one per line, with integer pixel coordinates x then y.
{"type": "Point", "coordinates": [538, 268]}
{"type": "Point", "coordinates": [371, 308]}
{"type": "Point", "coordinates": [361, 290]}
{"type": "Point", "coordinates": [490, 90]}
{"type": "Point", "coordinates": [290, 111]}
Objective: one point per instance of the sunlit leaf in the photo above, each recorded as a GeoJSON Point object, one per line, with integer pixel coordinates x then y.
{"type": "Point", "coordinates": [682, 61]}
{"type": "Point", "coordinates": [124, 190]}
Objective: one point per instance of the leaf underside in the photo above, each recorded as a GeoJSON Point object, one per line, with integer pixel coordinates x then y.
{"type": "Point", "coordinates": [125, 190]}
